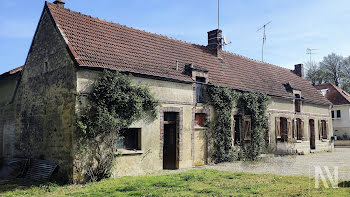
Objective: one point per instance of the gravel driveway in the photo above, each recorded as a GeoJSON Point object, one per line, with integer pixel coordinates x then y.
{"type": "Point", "coordinates": [295, 165]}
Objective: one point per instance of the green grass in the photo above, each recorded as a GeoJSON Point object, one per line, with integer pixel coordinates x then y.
{"type": "Point", "coordinates": [190, 183]}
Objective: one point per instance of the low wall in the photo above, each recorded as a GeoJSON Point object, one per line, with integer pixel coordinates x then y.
{"type": "Point", "coordinates": [342, 143]}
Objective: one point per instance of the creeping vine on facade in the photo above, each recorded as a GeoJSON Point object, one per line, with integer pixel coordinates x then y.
{"type": "Point", "coordinates": [224, 100]}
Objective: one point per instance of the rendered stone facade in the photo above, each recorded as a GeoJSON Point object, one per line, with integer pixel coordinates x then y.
{"type": "Point", "coordinates": [41, 121]}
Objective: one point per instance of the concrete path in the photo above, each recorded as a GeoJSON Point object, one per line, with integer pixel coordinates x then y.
{"type": "Point", "coordinates": [295, 165]}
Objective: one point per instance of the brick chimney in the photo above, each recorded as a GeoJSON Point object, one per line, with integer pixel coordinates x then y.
{"type": "Point", "coordinates": [215, 41]}
{"type": "Point", "coordinates": [299, 70]}
{"type": "Point", "coordinates": [59, 3]}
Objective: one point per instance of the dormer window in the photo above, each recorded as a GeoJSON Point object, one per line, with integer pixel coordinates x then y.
{"type": "Point", "coordinates": [324, 91]}
{"type": "Point", "coordinates": [200, 81]}
{"type": "Point", "coordinates": [200, 77]}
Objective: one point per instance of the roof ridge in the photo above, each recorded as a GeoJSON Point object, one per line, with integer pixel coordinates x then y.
{"type": "Point", "coordinates": [254, 60]}
{"type": "Point", "coordinates": [141, 30]}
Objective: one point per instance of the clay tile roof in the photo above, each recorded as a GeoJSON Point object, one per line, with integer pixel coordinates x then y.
{"type": "Point", "coordinates": [335, 95]}
{"type": "Point", "coordinates": [11, 72]}
{"type": "Point", "coordinates": [98, 43]}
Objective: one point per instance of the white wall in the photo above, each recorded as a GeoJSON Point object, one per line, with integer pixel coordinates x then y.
{"type": "Point", "coordinates": [341, 125]}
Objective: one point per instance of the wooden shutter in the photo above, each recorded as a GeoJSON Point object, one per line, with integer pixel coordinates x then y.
{"type": "Point", "coordinates": [278, 127]}
{"type": "Point", "coordinates": [295, 128]}
{"type": "Point", "coordinates": [302, 129]}
{"type": "Point", "coordinates": [247, 129]}
{"type": "Point", "coordinates": [325, 131]}
{"type": "Point", "coordinates": [233, 131]}
{"type": "Point", "coordinates": [319, 129]}
{"type": "Point", "coordinates": [289, 130]}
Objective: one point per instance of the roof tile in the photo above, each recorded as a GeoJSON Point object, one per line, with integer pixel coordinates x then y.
{"type": "Point", "coordinates": [98, 43]}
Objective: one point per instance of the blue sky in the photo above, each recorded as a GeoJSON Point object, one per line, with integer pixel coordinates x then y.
{"type": "Point", "coordinates": [296, 25]}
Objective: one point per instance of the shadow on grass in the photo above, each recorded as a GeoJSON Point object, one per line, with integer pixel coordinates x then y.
{"type": "Point", "coordinates": [7, 185]}
{"type": "Point", "coordinates": [14, 184]}
{"type": "Point", "coordinates": [344, 184]}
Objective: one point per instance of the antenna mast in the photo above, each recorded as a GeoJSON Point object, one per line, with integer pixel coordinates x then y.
{"type": "Point", "coordinates": [310, 52]}
{"type": "Point", "coordinates": [218, 14]}
{"type": "Point", "coordinates": [264, 40]}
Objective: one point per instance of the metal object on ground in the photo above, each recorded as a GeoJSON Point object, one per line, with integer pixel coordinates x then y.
{"type": "Point", "coordinates": [14, 168]}
{"type": "Point", "coordinates": [40, 170]}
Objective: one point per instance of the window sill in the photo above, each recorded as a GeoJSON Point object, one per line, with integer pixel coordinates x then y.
{"type": "Point", "coordinates": [200, 128]}
{"type": "Point", "coordinates": [129, 152]}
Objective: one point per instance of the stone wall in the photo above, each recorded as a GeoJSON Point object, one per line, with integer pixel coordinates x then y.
{"type": "Point", "coordinates": [7, 131]}
{"type": "Point", "coordinates": [285, 108]}
{"type": "Point", "coordinates": [45, 101]}
{"type": "Point", "coordinates": [177, 97]}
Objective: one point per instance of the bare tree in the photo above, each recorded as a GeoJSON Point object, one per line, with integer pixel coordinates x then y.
{"type": "Point", "coordinates": [332, 66]}
{"type": "Point", "coordinates": [346, 75]}
{"type": "Point", "coordinates": [313, 73]}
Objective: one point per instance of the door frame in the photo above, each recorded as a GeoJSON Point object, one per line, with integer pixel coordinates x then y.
{"type": "Point", "coordinates": [179, 128]}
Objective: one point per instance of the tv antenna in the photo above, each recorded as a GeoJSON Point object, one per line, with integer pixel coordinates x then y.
{"type": "Point", "coordinates": [264, 40]}
{"type": "Point", "coordinates": [310, 52]}
{"type": "Point", "coordinates": [218, 14]}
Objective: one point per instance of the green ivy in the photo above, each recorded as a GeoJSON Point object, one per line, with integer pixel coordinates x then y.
{"type": "Point", "coordinates": [113, 104]}
{"type": "Point", "coordinates": [224, 100]}
{"type": "Point", "coordinates": [255, 104]}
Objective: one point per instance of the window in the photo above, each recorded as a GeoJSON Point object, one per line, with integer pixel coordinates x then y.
{"type": "Point", "coordinates": [332, 114]}
{"type": "Point", "coordinates": [297, 103]}
{"type": "Point", "coordinates": [284, 129]}
{"type": "Point", "coordinates": [200, 89]}
{"type": "Point", "coordinates": [338, 114]}
{"type": "Point", "coordinates": [200, 119]}
{"type": "Point", "coordinates": [130, 139]}
{"type": "Point", "coordinates": [247, 128]}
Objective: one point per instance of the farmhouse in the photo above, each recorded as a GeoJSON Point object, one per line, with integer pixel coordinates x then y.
{"type": "Point", "coordinates": [68, 52]}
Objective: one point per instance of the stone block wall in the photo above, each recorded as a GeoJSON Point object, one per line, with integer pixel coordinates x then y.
{"type": "Point", "coordinates": [45, 100]}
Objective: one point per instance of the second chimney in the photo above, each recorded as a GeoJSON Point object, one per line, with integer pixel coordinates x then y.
{"type": "Point", "coordinates": [59, 3]}
{"type": "Point", "coordinates": [299, 70]}
{"type": "Point", "coordinates": [215, 41]}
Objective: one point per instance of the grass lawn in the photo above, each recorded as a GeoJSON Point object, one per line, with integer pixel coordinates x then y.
{"type": "Point", "coordinates": [191, 183]}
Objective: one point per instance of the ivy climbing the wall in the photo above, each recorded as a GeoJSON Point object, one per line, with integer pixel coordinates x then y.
{"type": "Point", "coordinates": [113, 104]}
{"type": "Point", "coordinates": [255, 104]}
{"type": "Point", "coordinates": [224, 100]}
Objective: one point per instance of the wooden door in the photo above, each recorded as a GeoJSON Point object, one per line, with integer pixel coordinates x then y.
{"type": "Point", "coordinates": [170, 145]}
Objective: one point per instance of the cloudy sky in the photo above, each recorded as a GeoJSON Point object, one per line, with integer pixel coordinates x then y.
{"type": "Point", "coordinates": [296, 25]}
